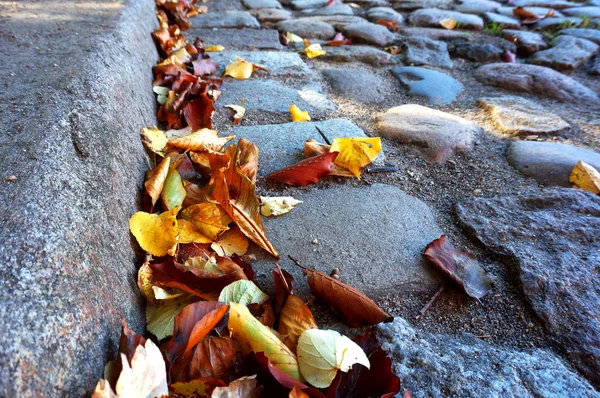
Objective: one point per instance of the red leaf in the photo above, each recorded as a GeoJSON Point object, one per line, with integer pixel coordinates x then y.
{"type": "Point", "coordinates": [329, 3]}
{"type": "Point", "coordinates": [204, 65]}
{"type": "Point", "coordinates": [307, 171]}
{"type": "Point", "coordinates": [338, 40]}
{"type": "Point", "coordinates": [213, 357]}
{"type": "Point", "coordinates": [460, 266]}
{"type": "Point", "coordinates": [198, 112]}
{"type": "Point", "coordinates": [378, 381]}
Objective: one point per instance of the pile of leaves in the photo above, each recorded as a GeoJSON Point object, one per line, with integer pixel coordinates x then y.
{"type": "Point", "coordinates": [217, 334]}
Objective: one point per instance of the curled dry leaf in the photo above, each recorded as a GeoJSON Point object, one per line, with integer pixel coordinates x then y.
{"type": "Point", "coordinates": [527, 16]}
{"type": "Point", "coordinates": [314, 50]}
{"type": "Point", "coordinates": [355, 153]}
{"type": "Point", "coordinates": [201, 140]}
{"type": "Point", "coordinates": [213, 357]}
{"type": "Point", "coordinates": [392, 26]}
{"type": "Point", "coordinates": [377, 381]}
{"type": "Point", "coordinates": [460, 266]}
{"type": "Point", "coordinates": [204, 65]}
{"type": "Point", "coordinates": [200, 387]}
{"type": "Point", "coordinates": [295, 318]}
{"type": "Point", "coordinates": [154, 140]}
{"type": "Point", "coordinates": [314, 148]}
{"type": "Point", "coordinates": [254, 336]}
{"type": "Point", "coordinates": [242, 292]}
{"type": "Point", "coordinates": [207, 218]}
{"type": "Point", "coordinates": [231, 242]}
{"type": "Point", "coordinates": [293, 38]}
{"type": "Point", "coordinates": [321, 353]}
{"type": "Point", "coordinates": [277, 205]}
{"type": "Point", "coordinates": [448, 23]}
{"type": "Point", "coordinates": [305, 172]}
{"type": "Point", "coordinates": [156, 179]}
{"type": "Point", "coordinates": [246, 159]}
{"type": "Point", "coordinates": [585, 177]}
{"type": "Point", "coordinates": [394, 50]}
{"type": "Point", "coordinates": [239, 110]}
{"type": "Point", "coordinates": [198, 112]}
{"type": "Point", "coordinates": [241, 69]}
{"type": "Point", "coordinates": [298, 393]}
{"type": "Point", "coordinates": [284, 286]}
{"type": "Point", "coordinates": [215, 48]}
{"type": "Point", "coordinates": [357, 308]}
{"type": "Point", "coordinates": [156, 233]}
{"type": "Point", "coordinates": [338, 40]}
{"type": "Point", "coordinates": [299, 115]}
{"type": "Point", "coordinates": [244, 387]}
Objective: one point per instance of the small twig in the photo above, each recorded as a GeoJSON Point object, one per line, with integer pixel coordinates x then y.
{"type": "Point", "coordinates": [430, 303]}
{"type": "Point", "coordinates": [323, 135]}
{"type": "Point", "coordinates": [296, 262]}
{"type": "Point", "coordinates": [382, 169]}
{"type": "Point", "coordinates": [287, 287]}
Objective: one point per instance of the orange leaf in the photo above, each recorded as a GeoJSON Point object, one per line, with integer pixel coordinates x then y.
{"type": "Point", "coordinates": [307, 171]}
{"type": "Point", "coordinates": [357, 308]}
{"type": "Point", "coordinates": [298, 393]}
{"type": "Point", "coordinates": [295, 318]}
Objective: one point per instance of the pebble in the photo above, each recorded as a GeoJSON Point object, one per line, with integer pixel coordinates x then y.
{"type": "Point", "coordinates": [384, 13]}
{"type": "Point", "coordinates": [516, 116]}
{"type": "Point", "coordinates": [308, 29]}
{"type": "Point", "coordinates": [585, 12]}
{"type": "Point", "coordinates": [503, 21]}
{"type": "Point", "coordinates": [431, 17]}
{"type": "Point", "coordinates": [555, 4]}
{"type": "Point", "coordinates": [424, 51]}
{"type": "Point", "coordinates": [226, 19]}
{"type": "Point", "coordinates": [370, 33]}
{"type": "Point", "coordinates": [271, 14]}
{"type": "Point", "coordinates": [588, 34]}
{"type": "Point", "coordinates": [477, 6]}
{"type": "Point", "coordinates": [304, 4]}
{"type": "Point", "coordinates": [256, 4]}
{"type": "Point", "coordinates": [527, 42]}
{"type": "Point", "coordinates": [358, 84]}
{"type": "Point", "coordinates": [440, 134]}
{"type": "Point", "coordinates": [438, 88]}
{"type": "Point", "coordinates": [535, 79]}
{"type": "Point", "coordinates": [479, 52]}
{"type": "Point", "coordinates": [357, 53]}
{"type": "Point", "coordinates": [567, 53]}
{"type": "Point", "coordinates": [410, 5]}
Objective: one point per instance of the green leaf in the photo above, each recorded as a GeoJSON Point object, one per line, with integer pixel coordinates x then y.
{"type": "Point", "coordinates": [173, 192]}
{"type": "Point", "coordinates": [243, 292]}
{"type": "Point", "coordinates": [160, 320]}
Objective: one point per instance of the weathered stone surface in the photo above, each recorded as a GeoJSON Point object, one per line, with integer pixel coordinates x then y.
{"type": "Point", "coordinates": [549, 162]}
{"type": "Point", "coordinates": [368, 55]}
{"type": "Point", "coordinates": [477, 6]}
{"type": "Point", "coordinates": [557, 23]}
{"type": "Point", "coordinates": [595, 68]}
{"type": "Point", "coordinates": [71, 139]}
{"type": "Point", "coordinates": [283, 144]}
{"type": "Point", "coordinates": [357, 84]}
{"type": "Point", "coordinates": [371, 3]}
{"type": "Point", "coordinates": [336, 9]}
{"type": "Point", "coordinates": [438, 88]}
{"type": "Point", "coordinates": [588, 34]}
{"type": "Point", "coordinates": [431, 17]}
{"type": "Point", "coordinates": [409, 5]}
{"type": "Point", "coordinates": [337, 21]}
{"type": "Point", "coordinates": [440, 133]}
{"type": "Point", "coordinates": [304, 4]}
{"type": "Point", "coordinates": [255, 4]}
{"type": "Point", "coordinates": [567, 53]}
{"type": "Point", "coordinates": [370, 33]}
{"type": "Point", "coordinates": [307, 28]}
{"type": "Point", "coordinates": [555, 4]}
{"type": "Point", "coordinates": [586, 12]}
{"type": "Point", "coordinates": [519, 116]}
{"type": "Point", "coordinates": [440, 365]}
{"type": "Point", "coordinates": [554, 240]}
{"type": "Point", "coordinates": [479, 52]}
{"type": "Point", "coordinates": [226, 19]}
{"type": "Point", "coordinates": [392, 262]}
{"type": "Point", "coordinates": [278, 63]}
{"type": "Point", "coordinates": [535, 79]}
{"type": "Point", "coordinates": [272, 97]}
{"type": "Point", "coordinates": [527, 42]}
{"type": "Point", "coordinates": [385, 13]}
{"type": "Point", "coordinates": [499, 19]}
{"type": "Point", "coordinates": [434, 33]}
{"type": "Point", "coordinates": [271, 14]}
{"type": "Point", "coordinates": [424, 51]}
{"type": "Point", "coordinates": [239, 39]}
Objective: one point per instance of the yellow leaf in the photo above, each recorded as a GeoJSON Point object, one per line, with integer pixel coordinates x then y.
{"type": "Point", "coordinates": [173, 192]}
{"type": "Point", "coordinates": [322, 352]}
{"type": "Point", "coordinates": [172, 60]}
{"type": "Point", "coordinates": [448, 23]}
{"type": "Point", "coordinates": [215, 48]}
{"type": "Point", "coordinates": [298, 115]}
{"type": "Point", "coordinates": [240, 69]}
{"type": "Point", "coordinates": [207, 218]}
{"type": "Point", "coordinates": [205, 264]}
{"type": "Point", "coordinates": [146, 377]}
{"type": "Point", "coordinates": [189, 234]}
{"type": "Point", "coordinates": [293, 38]}
{"type": "Point", "coordinates": [201, 140]}
{"type": "Point", "coordinates": [254, 336]}
{"type": "Point", "coordinates": [277, 205]}
{"type": "Point", "coordinates": [231, 242]}
{"type": "Point", "coordinates": [242, 292]}
{"type": "Point", "coordinates": [154, 140]}
{"type": "Point", "coordinates": [156, 233]}
{"type": "Point", "coordinates": [145, 279]}
{"type": "Point", "coordinates": [585, 177]}
{"type": "Point", "coordinates": [314, 50]}
{"type": "Point", "coordinates": [295, 318]}
{"type": "Point", "coordinates": [355, 153]}
{"type": "Point", "coordinates": [183, 56]}
{"type": "Point", "coordinates": [156, 179]}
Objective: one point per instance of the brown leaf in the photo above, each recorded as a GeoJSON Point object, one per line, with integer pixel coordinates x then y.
{"type": "Point", "coordinates": [527, 17]}
{"type": "Point", "coordinates": [245, 387]}
{"type": "Point", "coordinates": [357, 308]}
{"type": "Point", "coordinates": [155, 179]}
{"type": "Point", "coordinates": [213, 357]}
{"type": "Point", "coordinates": [392, 26]}
{"type": "Point", "coordinates": [198, 113]}
{"type": "Point", "coordinates": [295, 318]}
{"type": "Point", "coordinates": [246, 159]}
{"type": "Point", "coordinates": [460, 266]}
{"type": "Point", "coordinates": [283, 282]}
{"type": "Point", "coordinates": [305, 172]}
{"type": "Point", "coordinates": [204, 65]}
